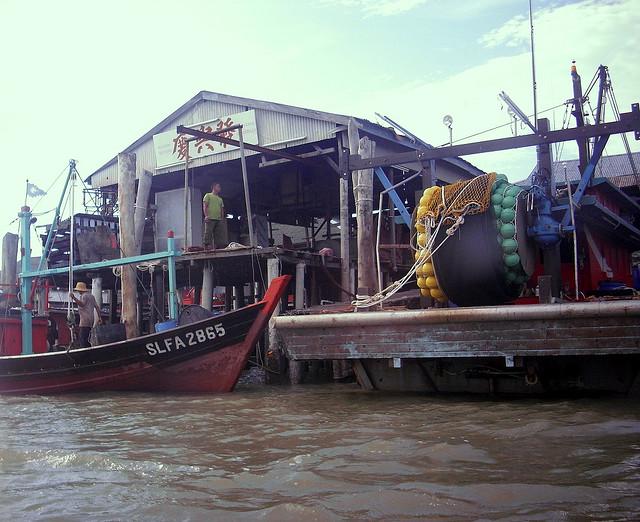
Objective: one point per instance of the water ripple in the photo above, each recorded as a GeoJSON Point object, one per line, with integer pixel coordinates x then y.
{"type": "Point", "coordinates": [320, 453]}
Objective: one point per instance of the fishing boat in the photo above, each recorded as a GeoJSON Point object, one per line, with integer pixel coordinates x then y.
{"type": "Point", "coordinates": [205, 356]}
{"type": "Point", "coordinates": [194, 353]}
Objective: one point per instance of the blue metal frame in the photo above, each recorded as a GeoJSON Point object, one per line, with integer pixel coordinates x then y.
{"type": "Point", "coordinates": [26, 276]}
{"type": "Point", "coordinates": [598, 149]}
{"type": "Point", "coordinates": [406, 217]}
{"type": "Point", "coordinates": [171, 262]}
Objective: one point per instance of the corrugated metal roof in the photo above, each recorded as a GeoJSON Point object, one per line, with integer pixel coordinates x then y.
{"type": "Point", "coordinates": [276, 123]}
{"type": "Point", "coordinates": [617, 169]}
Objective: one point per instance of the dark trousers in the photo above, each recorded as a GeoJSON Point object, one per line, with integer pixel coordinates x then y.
{"type": "Point", "coordinates": [215, 233]}
{"type": "Point", "coordinates": [83, 336]}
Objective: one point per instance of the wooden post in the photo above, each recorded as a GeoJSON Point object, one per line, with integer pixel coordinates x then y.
{"type": "Point", "coordinates": [550, 256]}
{"type": "Point", "coordinates": [273, 271]}
{"type": "Point", "coordinates": [300, 269]}
{"type": "Point", "coordinates": [96, 291]}
{"type": "Point", "coordinates": [313, 294]}
{"type": "Point", "coordinates": [545, 293]}
{"type": "Point", "coordinates": [392, 223]}
{"type": "Point", "coordinates": [41, 296]}
{"type": "Point", "coordinates": [139, 314]}
{"type": "Point", "coordinates": [153, 306]}
{"type": "Point", "coordinates": [159, 297]}
{"type": "Point", "coordinates": [363, 193]}
{"type": "Point", "coordinates": [362, 376]}
{"type": "Point", "coordinates": [245, 183]}
{"type": "Point", "coordinates": [239, 296]}
{"type": "Point", "coordinates": [142, 201]}
{"type": "Point", "coordinates": [126, 190]}
{"type": "Point", "coordinates": [295, 367]}
{"type": "Point", "coordinates": [206, 296]}
{"type": "Point", "coordinates": [113, 304]}
{"type": "Point", "coordinates": [9, 279]}
{"type": "Point", "coordinates": [228, 298]}
{"type": "Point", "coordinates": [345, 261]}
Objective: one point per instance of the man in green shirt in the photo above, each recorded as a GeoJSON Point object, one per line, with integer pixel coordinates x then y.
{"type": "Point", "coordinates": [215, 224]}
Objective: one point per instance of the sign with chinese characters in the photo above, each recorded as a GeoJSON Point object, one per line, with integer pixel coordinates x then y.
{"type": "Point", "coordinates": [172, 148]}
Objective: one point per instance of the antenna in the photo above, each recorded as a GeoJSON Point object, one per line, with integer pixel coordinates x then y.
{"type": "Point", "coordinates": [533, 73]}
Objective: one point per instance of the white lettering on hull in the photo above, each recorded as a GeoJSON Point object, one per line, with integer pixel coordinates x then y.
{"type": "Point", "coordinates": [194, 338]}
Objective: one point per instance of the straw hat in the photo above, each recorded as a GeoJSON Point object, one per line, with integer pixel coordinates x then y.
{"type": "Point", "coordinates": [81, 287]}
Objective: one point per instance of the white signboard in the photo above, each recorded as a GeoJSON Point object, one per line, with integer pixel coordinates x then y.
{"type": "Point", "coordinates": [171, 148]}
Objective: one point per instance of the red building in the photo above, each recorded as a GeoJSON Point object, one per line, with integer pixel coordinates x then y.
{"type": "Point", "coordinates": [607, 222]}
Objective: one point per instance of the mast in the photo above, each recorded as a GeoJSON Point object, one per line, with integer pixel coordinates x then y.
{"type": "Point", "coordinates": [56, 216]}
{"type": "Point", "coordinates": [25, 282]}
{"type": "Point", "coordinates": [578, 99]}
{"type": "Point", "coordinates": [533, 70]}
{"type": "Point", "coordinates": [71, 318]}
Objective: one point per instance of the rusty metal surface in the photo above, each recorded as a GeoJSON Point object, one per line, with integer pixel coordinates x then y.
{"type": "Point", "coordinates": [593, 310]}
{"type": "Point", "coordinates": [306, 338]}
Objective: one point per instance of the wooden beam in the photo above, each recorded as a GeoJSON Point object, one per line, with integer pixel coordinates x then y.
{"type": "Point", "coordinates": [330, 161]}
{"type": "Point", "coordinates": [250, 146]}
{"type": "Point", "coordinates": [318, 152]}
{"type": "Point", "coordinates": [362, 376]}
{"type": "Point", "coordinates": [629, 122]}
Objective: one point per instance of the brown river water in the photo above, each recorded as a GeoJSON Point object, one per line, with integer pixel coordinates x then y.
{"type": "Point", "coordinates": [317, 453]}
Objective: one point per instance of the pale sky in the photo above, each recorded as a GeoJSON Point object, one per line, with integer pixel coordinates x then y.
{"type": "Point", "coordinates": [84, 79]}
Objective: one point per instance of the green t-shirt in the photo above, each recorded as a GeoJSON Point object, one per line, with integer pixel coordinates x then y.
{"type": "Point", "coordinates": [214, 205]}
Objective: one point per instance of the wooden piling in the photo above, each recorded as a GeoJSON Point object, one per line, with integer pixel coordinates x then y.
{"type": "Point", "coordinates": [238, 292]}
{"type": "Point", "coordinates": [142, 202]}
{"type": "Point", "coordinates": [126, 191]}
{"type": "Point", "coordinates": [41, 300]}
{"type": "Point", "coordinates": [345, 259]}
{"type": "Point", "coordinates": [545, 289]}
{"type": "Point", "coordinates": [159, 297]}
{"type": "Point", "coordinates": [9, 278]}
{"type": "Point", "coordinates": [300, 270]}
{"type": "Point", "coordinates": [228, 298]}
{"type": "Point", "coordinates": [113, 304]}
{"type": "Point", "coordinates": [363, 194]}
{"type": "Point", "coordinates": [96, 291]}
{"type": "Point", "coordinates": [206, 296]}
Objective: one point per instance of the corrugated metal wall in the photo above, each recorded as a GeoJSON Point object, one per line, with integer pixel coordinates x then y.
{"type": "Point", "coordinates": [273, 129]}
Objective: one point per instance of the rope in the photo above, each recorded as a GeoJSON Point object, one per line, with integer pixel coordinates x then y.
{"type": "Point", "coordinates": [378, 298]}
{"type": "Point", "coordinates": [393, 288]}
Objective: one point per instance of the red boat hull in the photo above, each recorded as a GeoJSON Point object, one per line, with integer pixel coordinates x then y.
{"type": "Point", "coordinates": [203, 357]}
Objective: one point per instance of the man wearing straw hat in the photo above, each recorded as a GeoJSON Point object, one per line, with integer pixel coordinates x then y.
{"type": "Point", "coordinates": [86, 305]}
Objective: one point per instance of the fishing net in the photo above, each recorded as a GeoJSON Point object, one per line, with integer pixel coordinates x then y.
{"type": "Point", "coordinates": [461, 198]}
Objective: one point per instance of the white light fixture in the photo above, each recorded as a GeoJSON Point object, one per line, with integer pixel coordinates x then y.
{"type": "Point", "coordinates": [448, 122]}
